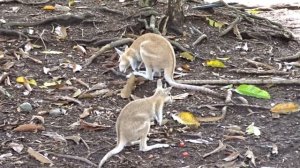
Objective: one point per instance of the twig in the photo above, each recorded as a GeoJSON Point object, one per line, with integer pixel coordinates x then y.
{"type": "Point", "coordinates": [74, 157]}
{"type": "Point", "coordinates": [81, 82]}
{"type": "Point", "coordinates": [258, 64]}
{"type": "Point", "coordinates": [259, 72]}
{"type": "Point", "coordinates": [106, 48]}
{"type": "Point", "coordinates": [70, 99]}
{"type": "Point", "coordinates": [26, 3]}
{"type": "Point", "coordinates": [290, 58]}
{"type": "Point", "coordinates": [231, 26]}
{"type": "Point", "coordinates": [218, 149]}
{"type": "Point", "coordinates": [242, 81]}
{"type": "Point", "coordinates": [199, 39]}
{"type": "Point", "coordinates": [234, 105]}
{"type": "Point", "coordinates": [177, 45]}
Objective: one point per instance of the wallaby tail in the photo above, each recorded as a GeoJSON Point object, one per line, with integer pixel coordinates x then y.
{"type": "Point", "coordinates": [114, 151]}
{"type": "Point", "coordinates": [202, 89]}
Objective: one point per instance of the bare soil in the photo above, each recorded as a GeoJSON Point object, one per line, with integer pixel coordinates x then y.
{"type": "Point", "coordinates": [282, 132]}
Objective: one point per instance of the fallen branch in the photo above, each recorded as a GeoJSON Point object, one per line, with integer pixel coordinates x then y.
{"type": "Point", "coordinates": [259, 72]}
{"type": "Point", "coordinates": [108, 47]}
{"type": "Point", "coordinates": [242, 81]}
{"type": "Point", "coordinates": [234, 105]}
{"type": "Point", "coordinates": [74, 157]}
{"type": "Point", "coordinates": [65, 19]}
{"type": "Point", "coordinates": [289, 58]}
{"type": "Point", "coordinates": [69, 99]}
{"type": "Point", "coordinates": [6, 32]}
{"type": "Point", "coordinates": [218, 149]}
{"type": "Point", "coordinates": [258, 64]}
{"type": "Point", "coordinates": [231, 26]}
{"type": "Point", "coordinates": [25, 2]}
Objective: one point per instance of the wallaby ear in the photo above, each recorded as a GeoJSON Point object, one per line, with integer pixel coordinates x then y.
{"type": "Point", "coordinates": [159, 83]}
{"type": "Point", "coordinates": [119, 51]}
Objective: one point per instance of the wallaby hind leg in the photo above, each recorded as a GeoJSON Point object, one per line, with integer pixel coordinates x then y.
{"type": "Point", "coordinates": [148, 75]}
{"type": "Point", "coordinates": [143, 143]}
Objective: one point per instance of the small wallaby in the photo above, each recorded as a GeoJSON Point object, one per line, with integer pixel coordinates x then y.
{"type": "Point", "coordinates": [157, 54]}
{"type": "Point", "coordinates": [133, 123]}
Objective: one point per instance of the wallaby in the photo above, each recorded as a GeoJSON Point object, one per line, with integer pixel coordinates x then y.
{"type": "Point", "coordinates": [133, 123]}
{"type": "Point", "coordinates": [157, 54]}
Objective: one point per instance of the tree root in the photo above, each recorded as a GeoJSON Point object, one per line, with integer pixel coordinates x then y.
{"type": "Point", "coordinates": [6, 32]}
{"type": "Point", "coordinates": [259, 72]}
{"type": "Point", "coordinates": [290, 58]}
{"type": "Point", "coordinates": [40, 2]}
{"type": "Point", "coordinates": [59, 19]}
{"type": "Point", "coordinates": [108, 47]}
{"type": "Point", "coordinates": [242, 81]}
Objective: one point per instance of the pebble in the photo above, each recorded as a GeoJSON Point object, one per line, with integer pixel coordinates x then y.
{"type": "Point", "coordinates": [243, 53]}
{"type": "Point", "coordinates": [25, 107]}
{"type": "Point", "coordinates": [57, 112]}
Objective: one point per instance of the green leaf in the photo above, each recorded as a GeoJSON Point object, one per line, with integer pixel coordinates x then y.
{"type": "Point", "coordinates": [253, 91]}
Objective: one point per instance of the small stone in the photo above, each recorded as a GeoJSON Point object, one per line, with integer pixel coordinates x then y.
{"type": "Point", "coordinates": [25, 107]}
{"type": "Point", "coordinates": [243, 53]}
{"type": "Point", "coordinates": [57, 112]}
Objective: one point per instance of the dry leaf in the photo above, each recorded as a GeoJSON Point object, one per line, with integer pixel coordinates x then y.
{"type": "Point", "coordinates": [285, 108]}
{"type": "Point", "coordinates": [52, 52]}
{"type": "Point", "coordinates": [92, 126]}
{"type": "Point", "coordinates": [129, 87]}
{"type": "Point", "coordinates": [186, 68]}
{"type": "Point", "coordinates": [86, 113]}
{"type": "Point", "coordinates": [61, 32]}
{"type": "Point", "coordinates": [55, 136]}
{"type": "Point", "coordinates": [49, 7]}
{"type": "Point", "coordinates": [39, 118]}
{"type": "Point", "coordinates": [250, 155]}
{"type": "Point", "coordinates": [75, 138]}
{"type": "Point", "coordinates": [93, 94]}
{"type": "Point", "coordinates": [232, 156]}
{"type": "Point", "coordinates": [61, 8]}
{"type": "Point", "coordinates": [29, 128]}
{"type": "Point", "coordinates": [180, 96]}
{"type": "Point", "coordinates": [3, 156]}
{"type": "Point", "coordinates": [8, 65]}
{"type": "Point", "coordinates": [80, 48]}
{"type": "Point", "coordinates": [43, 159]}
{"type": "Point", "coordinates": [16, 147]}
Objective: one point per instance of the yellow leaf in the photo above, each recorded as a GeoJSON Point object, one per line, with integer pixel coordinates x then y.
{"type": "Point", "coordinates": [213, 23]}
{"type": "Point", "coordinates": [21, 79]}
{"type": "Point", "coordinates": [254, 11]}
{"type": "Point", "coordinates": [49, 7]}
{"type": "Point", "coordinates": [187, 55]}
{"type": "Point", "coordinates": [284, 108]}
{"type": "Point", "coordinates": [186, 118]}
{"type": "Point", "coordinates": [32, 82]}
{"type": "Point", "coordinates": [71, 2]}
{"type": "Point", "coordinates": [215, 63]}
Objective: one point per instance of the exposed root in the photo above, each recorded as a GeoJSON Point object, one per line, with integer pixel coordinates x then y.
{"type": "Point", "coordinates": [74, 157]}
{"type": "Point", "coordinates": [6, 32]}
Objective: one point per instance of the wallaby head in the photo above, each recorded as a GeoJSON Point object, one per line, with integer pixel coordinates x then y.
{"type": "Point", "coordinates": [126, 58]}
{"type": "Point", "coordinates": [163, 93]}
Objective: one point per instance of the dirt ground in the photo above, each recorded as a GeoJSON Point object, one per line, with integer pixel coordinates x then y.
{"type": "Point", "coordinates": [282, 132]}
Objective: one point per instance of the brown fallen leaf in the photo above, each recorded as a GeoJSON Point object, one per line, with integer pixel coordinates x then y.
{"type": "Point", "coordinates": [232, 156]}
{"type": "Point", "coordinates": [43, 159]}
{"type": "Point", "coordinates": [93, 94]}
{"type": "Point", "coordinates": [86, 113]}
{"type": "Point", "coordinates": [92, 126]}
{"type": "Point", "coordinates": [29, 128]}
{"type": "Point", "coordinates": [285, 108]}
{"type": "Point", "coordinates": [250, 155]}
{"type": "Point", "coordinates": [129, 87]}
{"type": "Point", "coordinates": [228, 137]}
{"type": "Point", "coordinates": [8, 65]}
{"type": "Point", "coordinates": [212, 119]}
